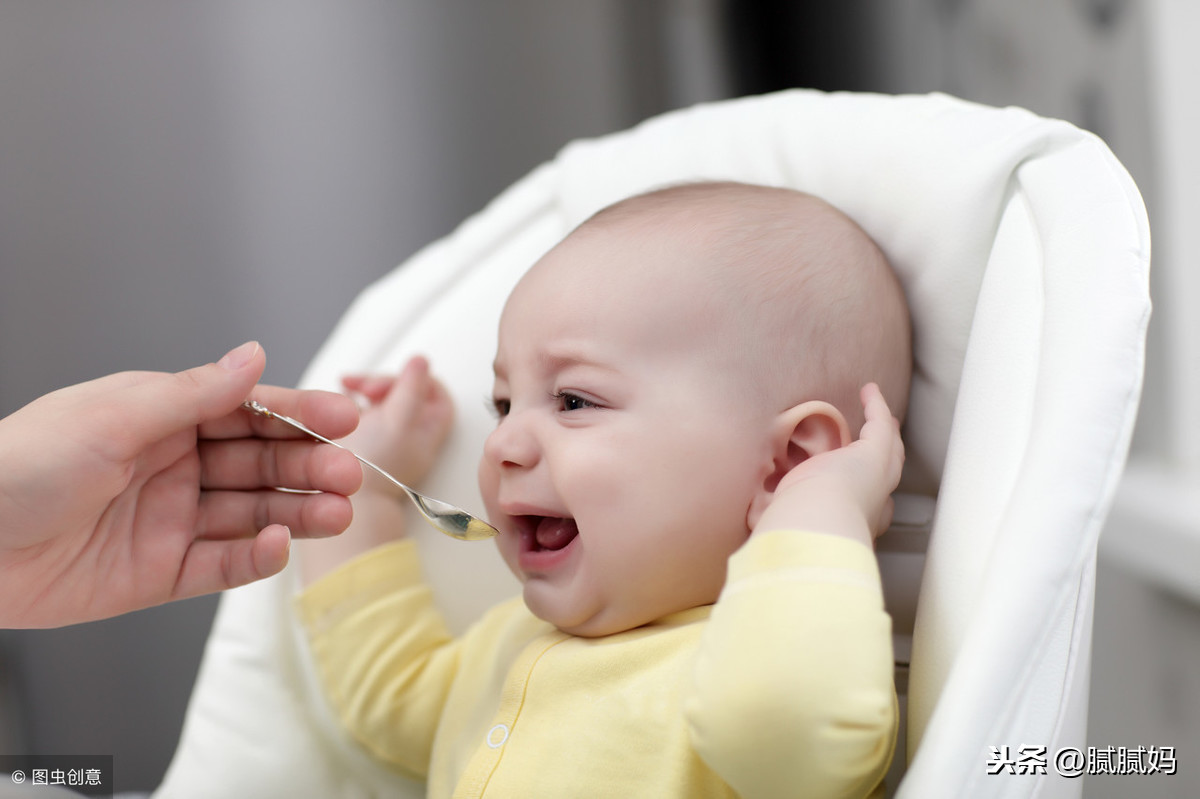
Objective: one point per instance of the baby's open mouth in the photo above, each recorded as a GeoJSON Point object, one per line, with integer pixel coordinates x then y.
{"type": "Point", "coordinates": [550, 532]}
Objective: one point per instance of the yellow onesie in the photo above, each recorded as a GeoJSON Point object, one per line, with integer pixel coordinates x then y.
{"type": "Point", "coordinates": [783, 688]}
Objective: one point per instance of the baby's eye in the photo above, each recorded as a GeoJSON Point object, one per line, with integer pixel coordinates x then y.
{"type": "Point", "coordinates": [499, 406]}
{"type": "Point", "coordinates": [573, 402]}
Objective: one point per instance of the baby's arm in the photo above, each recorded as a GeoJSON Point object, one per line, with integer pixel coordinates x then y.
{"type": "Point", "coordinates": [402, 432]}
{"type": "Point", "coordinates": [383, 654]}
{"type": "Point", "coordinates": [794, 694]}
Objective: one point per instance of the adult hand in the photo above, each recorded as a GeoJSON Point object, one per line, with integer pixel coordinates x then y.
{"type": "Point", "coordinates": [143, 487]}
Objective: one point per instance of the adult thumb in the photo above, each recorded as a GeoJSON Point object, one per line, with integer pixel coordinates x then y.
{"type": "Point", "coordinates": [215, 389]}
{"type": "Point", "coordinates": [173, 402]}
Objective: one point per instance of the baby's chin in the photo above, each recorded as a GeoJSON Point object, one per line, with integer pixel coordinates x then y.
{"type": "Point", "coordinates": [597, 623]}
{"type": "Point", "coordinates": [593, 623]}
{"type": "Point", "coordinates": [596, 629]}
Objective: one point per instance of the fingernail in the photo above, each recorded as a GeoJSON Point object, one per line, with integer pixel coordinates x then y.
{"type": "Point", "coordinates": [237, 358]}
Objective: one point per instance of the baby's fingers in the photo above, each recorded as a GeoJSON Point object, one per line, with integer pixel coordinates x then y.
{"type": "Point", "coordinates": [882, 430]}
{"type": "Point", "coordinates": [875, 407]}
{"type": "Point", "coordinates": [879, 420]}
{"type": "Point", "coordinates": [372, 388]}
{"type": "Point", "coordinates": [413, 390]}
{"type": "Point", "coordinates": [400, 394]}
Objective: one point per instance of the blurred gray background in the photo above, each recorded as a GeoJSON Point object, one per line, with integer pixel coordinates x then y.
{"type": "Point", "coordinates": [178, 177]}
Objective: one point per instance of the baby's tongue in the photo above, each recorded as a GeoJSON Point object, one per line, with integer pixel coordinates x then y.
{"type": "Point", "coordinates": [555, 533]}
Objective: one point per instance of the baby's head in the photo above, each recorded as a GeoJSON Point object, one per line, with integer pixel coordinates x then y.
{"type": "Point", "coordinates": [647, 376]}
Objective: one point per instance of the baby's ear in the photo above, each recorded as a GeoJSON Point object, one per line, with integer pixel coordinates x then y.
{"type": "Point", "coordinates": [798, 434]}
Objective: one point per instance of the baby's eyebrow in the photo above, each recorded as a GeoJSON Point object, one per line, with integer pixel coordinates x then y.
{"type": "Point", "coordinates": [555, 363]}
{"type": "Point", "coordinates": [559, 356]}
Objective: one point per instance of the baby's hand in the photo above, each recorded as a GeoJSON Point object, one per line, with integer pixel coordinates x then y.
{"type": "Point", "coordinates": [846, 491]}
{"type": "Point", "coordinates": [402, 431]}
{"type": "Point", "coordinates": [405, 425]}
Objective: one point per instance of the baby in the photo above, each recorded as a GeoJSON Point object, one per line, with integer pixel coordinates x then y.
{"type": "Point", "coordinates": [676, 485]}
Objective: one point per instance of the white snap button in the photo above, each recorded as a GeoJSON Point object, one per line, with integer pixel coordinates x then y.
{"type": "Point", "coordinates": [497, 736]}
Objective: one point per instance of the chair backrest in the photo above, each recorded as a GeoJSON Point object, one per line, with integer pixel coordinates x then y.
{"type": "Point", "coordinates": [1023, 249]}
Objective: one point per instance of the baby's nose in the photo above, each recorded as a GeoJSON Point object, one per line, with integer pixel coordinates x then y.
{"type": "Point", "coordinates": [511, 444]}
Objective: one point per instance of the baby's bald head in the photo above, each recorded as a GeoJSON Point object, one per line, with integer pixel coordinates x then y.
{"type": "Point", "coordinates": [799, 297]}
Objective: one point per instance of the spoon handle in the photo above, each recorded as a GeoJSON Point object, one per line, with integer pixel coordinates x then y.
{"type": "Point", "coordinates": [448, 519]}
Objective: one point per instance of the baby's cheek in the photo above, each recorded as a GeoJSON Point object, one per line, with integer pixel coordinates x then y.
{"type": "Point", "coordinates": [489, 481]}
{"type": "Point", "coordinates": [591, 477]}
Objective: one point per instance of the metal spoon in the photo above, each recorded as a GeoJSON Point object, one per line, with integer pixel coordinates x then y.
{"type": "Point", "coordinates": [452, 521]}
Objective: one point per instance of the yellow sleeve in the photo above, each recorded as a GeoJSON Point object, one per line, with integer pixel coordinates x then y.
{"type": "Point", "coordinates": [384, 655]}
{"type": "Point", "coordinates": [794, 694]}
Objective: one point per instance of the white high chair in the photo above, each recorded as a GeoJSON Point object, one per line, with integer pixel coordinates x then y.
{"type": "Point", "coordinates": [1023, 248]}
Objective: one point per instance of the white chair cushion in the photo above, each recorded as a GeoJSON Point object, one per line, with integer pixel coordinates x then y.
{"type": "Point", "coordinates": [951, 191]}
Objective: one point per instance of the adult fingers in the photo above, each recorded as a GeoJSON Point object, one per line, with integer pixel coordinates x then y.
{"type": "Point", "coordinates": [216, 565]}
{"type": "Point", "coordinates": [247, 463]}
{"type": "Point", "coordinates": [226, 515]}
{"type": "Point", "coordinates": [332, 415]}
